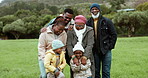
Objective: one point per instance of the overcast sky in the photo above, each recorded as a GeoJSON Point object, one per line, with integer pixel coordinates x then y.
{"type": "Point", "coordinates": [0, 1]}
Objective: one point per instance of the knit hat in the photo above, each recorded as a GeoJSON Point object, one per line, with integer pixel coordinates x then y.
{"type": "Point", "coordinates": [80, 18]}
{"type": "Point", "coordinates": [78, 46]}
{"type": "Point", "coordinates": [95, 5]}
{"type": "Point", "coordinates": [57, 44]}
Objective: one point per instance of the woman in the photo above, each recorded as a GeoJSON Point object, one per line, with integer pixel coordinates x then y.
{"type": "Point", "coordinates": [54, 32]}
{"type": "Point", "coordinates": [84, 35]}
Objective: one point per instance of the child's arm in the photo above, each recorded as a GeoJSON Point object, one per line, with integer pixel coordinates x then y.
{"type": "Point", "coordinates": [62, 66]}
{"type": "Point", "coordinates": [47, 64]}
{"type": "Point", "coordinates": [74, 67]}
{"type": "Point", "coordinates": [83, 60]}
{"type": "Point", "coordinates": [85, 67]}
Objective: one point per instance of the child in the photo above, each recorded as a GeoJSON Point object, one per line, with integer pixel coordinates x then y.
{"type": "Point", "coordinates": [80, 70]}
{"type": "Point", "coordinates": [55, 60]}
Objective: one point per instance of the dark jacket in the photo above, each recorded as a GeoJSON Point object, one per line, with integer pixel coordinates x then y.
{"type": "Point", "coordinates": [106, 34]}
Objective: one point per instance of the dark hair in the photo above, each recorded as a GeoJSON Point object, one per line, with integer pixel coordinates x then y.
{"type": "Point", "coordinates": [59, 21]}
{"type": "Point", "coordinates": [70, 11]}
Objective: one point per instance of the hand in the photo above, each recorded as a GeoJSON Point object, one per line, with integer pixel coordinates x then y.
{"type": "Point", "coordinates": [83, 60]}
{"type": "Point", "coordinates": [77, 64]}
{"type": "Point", "coordinates": [43, 29]}
{"type": "Point", "coordinates": [76, 61]}
{"type": "Point", "coordinates": [57, 74]}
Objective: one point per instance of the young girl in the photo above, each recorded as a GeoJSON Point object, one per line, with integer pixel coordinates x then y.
{"type": "Point", "coordinates": [55, 60]}
{"type": "Point", "coordinates": [80, 70]}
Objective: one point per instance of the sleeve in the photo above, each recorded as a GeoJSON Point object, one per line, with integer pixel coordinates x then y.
{"type": "Point", "coordinates": [47, 62]}
{"type": "Point", "coordinates": [74, 67]}
{"type": "Point", "coordinates": [113, 34]}
{"type": "Point", "coordinates": [51, 21]}
{"type": "Point", "coordinates": [69, 44]}
{"type": "Point", "coordinates": [89, 46]}
{"type": "Point", "coordinates": [62, 66]}
{"type": "Point", "coordinates": [85, 67]}
{"type": "Point", "coordinates": [41, 46]}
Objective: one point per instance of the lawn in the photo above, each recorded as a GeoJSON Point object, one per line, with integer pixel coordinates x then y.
{"type": "Point", "coordinates": [18, 58]}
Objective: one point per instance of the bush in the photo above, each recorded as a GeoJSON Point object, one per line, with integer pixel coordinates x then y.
{"type": "Point", "coordinates": [142, 7]}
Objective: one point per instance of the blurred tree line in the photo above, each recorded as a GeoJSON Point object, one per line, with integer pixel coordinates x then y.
{"type": "Point", "coordinates": [22, 19]}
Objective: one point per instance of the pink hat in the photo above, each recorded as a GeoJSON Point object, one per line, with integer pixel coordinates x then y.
{"type": "Point", "coordinates": [80, 18]}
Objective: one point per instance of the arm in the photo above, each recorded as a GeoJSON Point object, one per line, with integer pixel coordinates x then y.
{"type": "Point", "coordinates": [90, 42]}
{"type": "Point", "coordinates": [61, 67]}
{"type": "Point", "coordinates": [69, 43]}
{"type": "Point", "coordinates": [41, 46]}
{"type": "Point", "coordinates": [85, 67]}
{"type": "Point", "coordinates": [47, 62]}
{"type": "Point", "coordinates": [74, 67]}
{"type": "Point", "coordinates": [113, 34]}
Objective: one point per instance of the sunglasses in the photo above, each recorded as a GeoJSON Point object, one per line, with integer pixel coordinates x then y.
{"type": "Point", "coordinates": [79, 25]}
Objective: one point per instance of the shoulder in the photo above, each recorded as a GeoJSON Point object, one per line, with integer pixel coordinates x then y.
{"type": "Point", "coordinates": [88, 28]}
{"type": "Point", "coordinates": [50, 52]}
{"type": "Point", "coordinates": [106, 19]}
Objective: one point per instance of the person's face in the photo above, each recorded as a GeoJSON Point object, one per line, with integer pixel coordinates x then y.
{"type": "Point", "coordinates": [67, 16]}
{"type": "Point", "coordinates": [79, 25]}
{"type": "Point", "coordinates": [95, 11]}
{"type": "Point", "coordinates": [78, 54]}
{"type": "Point", "coordinates": [58, 29]}
{"type": "Point", "coordinates": [59, 50]}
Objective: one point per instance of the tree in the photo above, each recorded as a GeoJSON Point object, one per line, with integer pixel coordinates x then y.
{"type": "Point", "coordinates": [142, 7]}
{"type": "Point", "coordinates": [8, 19]}
{"type": "Point", "coordinates": [23, 13]}
{"type": "Point", "coordinates": [116, 4]}
{"type": "Point", "coordinates": [1, 27]}
{"type": "Point", "coordinates": [132, 21]}
{"type": "Point", "coordinates": [16, 28]}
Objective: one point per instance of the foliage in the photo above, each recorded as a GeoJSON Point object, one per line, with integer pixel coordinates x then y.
{"type": "Point", "coordinates": [53, 9]}
{"type": "Point", "coordinates": [45, 12]}
{"type": "Point", "coordinates": [142, 7]}
{"type": "Point", "coordinates": [16, 28]}
{"type": "Point", "coordinates": [116, 4]}
{"type": "Point", "coordinates": [8, 19]}
{"type": "Point", "coordinates": [104, 9]}
{"type": "Point", "coordinates": [133, 21]}
{"type": "Point", "coordinates": [1, 27]}
{"type": "Point", "coordinates": [23, 13]}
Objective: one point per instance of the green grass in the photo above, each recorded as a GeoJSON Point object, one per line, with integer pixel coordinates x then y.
{"type": "Point", "coordinates": [18, 58]}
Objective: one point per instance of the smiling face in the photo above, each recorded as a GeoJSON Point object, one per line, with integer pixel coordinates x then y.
{"type": "Point", "coordinates": [78, 54]}
{"type": "Point", "coordinates": [58, 29]}
{"type": "Point", "coordinates": [67, 16]}
{"type": "Point", "coordinates": [95, 11]}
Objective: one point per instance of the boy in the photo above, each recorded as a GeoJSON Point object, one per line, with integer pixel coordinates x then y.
{"type": "Point", "coordinates": [55, 60]}
{"type": "Point", "coordinates": [80, 70]}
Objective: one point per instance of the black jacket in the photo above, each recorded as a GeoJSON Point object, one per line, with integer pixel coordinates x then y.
{"type": "Point", "coordinates": [106, 34]}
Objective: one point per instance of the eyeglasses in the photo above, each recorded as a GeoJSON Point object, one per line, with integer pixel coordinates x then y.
{"type": "Point", "coordinates": [79, 25]}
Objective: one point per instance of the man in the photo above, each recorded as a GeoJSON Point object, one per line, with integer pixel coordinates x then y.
{"type": "Point", "coordinates": [67, 15]}
{"type": "Point", "coordinates": [105, 39]}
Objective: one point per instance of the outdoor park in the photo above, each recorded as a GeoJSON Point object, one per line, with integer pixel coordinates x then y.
{"type": "Point", "coordinates": [19, 58]}
{"type": "Point", "coordinates": [21, 21]}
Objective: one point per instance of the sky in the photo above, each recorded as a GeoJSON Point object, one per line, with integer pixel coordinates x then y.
{"type": "Point", "coordinates": [0, 1]}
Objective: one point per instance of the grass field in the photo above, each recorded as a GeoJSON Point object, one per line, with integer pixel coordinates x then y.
{"type": "Point", "coordinates": [18, 58]}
